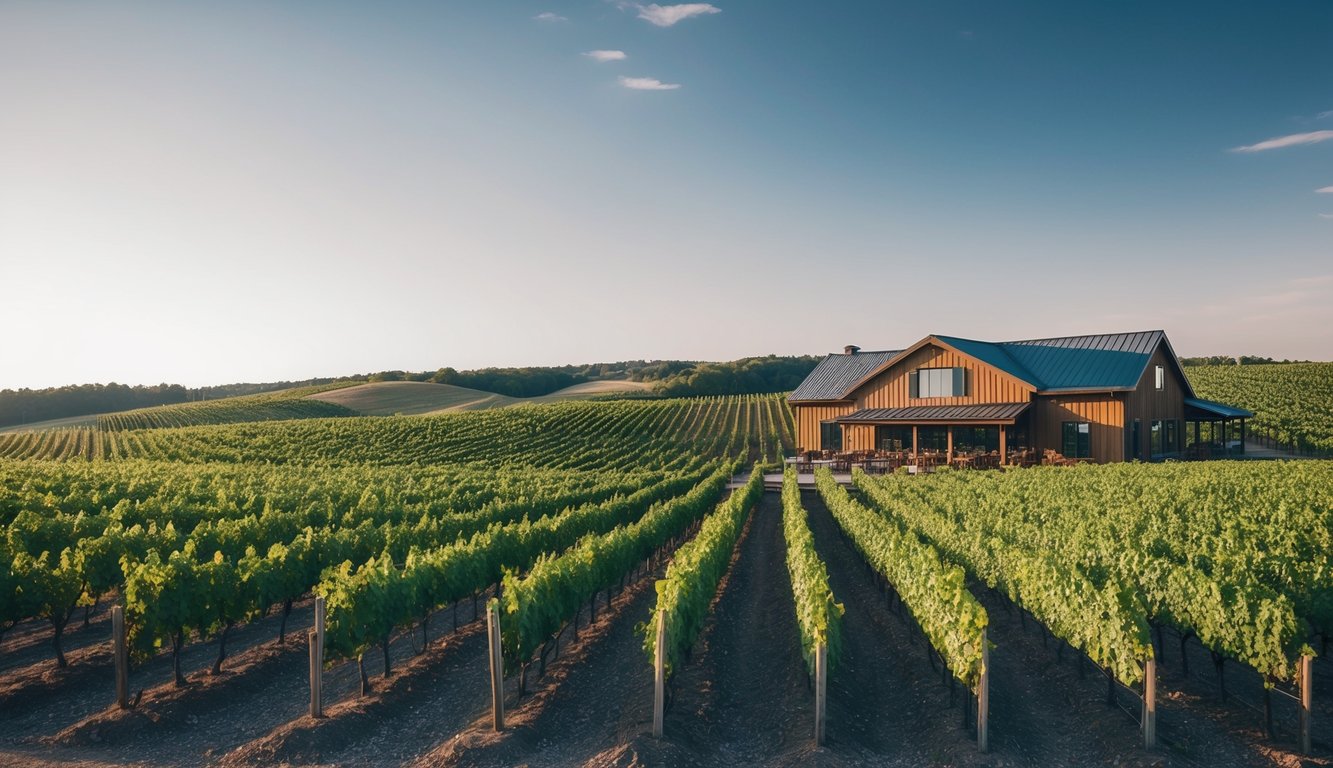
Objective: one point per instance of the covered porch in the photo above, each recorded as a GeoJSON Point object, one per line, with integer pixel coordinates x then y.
{"type": "Point", "coordinates": [1213, 430]}
{"type": "Point", "coordinates": [961, 436]}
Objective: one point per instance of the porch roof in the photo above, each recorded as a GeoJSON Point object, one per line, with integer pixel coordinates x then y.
{"type": "Point", "coordinates": [1207, 410]}
{"type": "Point", "coordinates": [985, 413]}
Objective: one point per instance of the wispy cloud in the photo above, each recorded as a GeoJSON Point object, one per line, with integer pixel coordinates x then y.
{"type": "Point", "coordinates": [647, 84]}
{"type": "Point", "coordinates": [667, 15]}
{"type": "Point", "coordinates": [1295, 139]}
{"type": "Point", "coordinates": [1325, 190]}
{"type": "Point", "coordinates": [549, 18]}
{"type": "Point", "coordinates": [1326, 215]}
{"type": "Point", "coordinates": [606, 55]}
{"type": "Point", "coordinates": [1326, 114]}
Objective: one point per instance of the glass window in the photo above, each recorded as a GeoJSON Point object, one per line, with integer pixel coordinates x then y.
{"type": "Point", "coordinates": [893, 438]}
{"type": "Point", "coordinates": [1155, 441]}
{"type": "Point", "coordinates": [1161, 377]}
{"type": "Point", "coordinates": [940, 382]}
{"type": "Point", "coordinates": [830, 436]}
{"type": "Point", "coordinates": [1076, 440]}
{"type": "Point", "coordinates": [1171, 441]}
{"type": "Point", "coordinates": [976, 439]}
{"type": "Point", "coordinates": [933, 438]}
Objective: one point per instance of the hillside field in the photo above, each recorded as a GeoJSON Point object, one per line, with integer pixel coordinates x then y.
{"type": "Point", "coordinates": [409, 398]}
{"type": "Point", "coordinates": [585, 520]}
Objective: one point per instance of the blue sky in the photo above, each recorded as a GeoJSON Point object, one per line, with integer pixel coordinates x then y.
{"type": "Point", "coordinates": [210, 192]}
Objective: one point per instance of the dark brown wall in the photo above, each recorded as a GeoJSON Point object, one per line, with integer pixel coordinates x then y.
{"type": "Point", "coordinates": [1147, 403]}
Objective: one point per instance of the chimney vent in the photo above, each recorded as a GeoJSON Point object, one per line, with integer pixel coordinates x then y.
{"type": "Point", "coordinates": [850, 349]}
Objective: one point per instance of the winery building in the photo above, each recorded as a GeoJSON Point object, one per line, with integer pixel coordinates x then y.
{"type": "Point", "coordinates": [1102, 398]}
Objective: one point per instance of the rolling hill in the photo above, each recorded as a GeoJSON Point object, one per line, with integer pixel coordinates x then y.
{"type": "Point", "coordinates": [408, 398]}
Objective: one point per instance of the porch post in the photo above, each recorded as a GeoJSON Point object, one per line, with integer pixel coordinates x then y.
{"type": "Point", "coordinates": [916, 446]}
{"type": "Point", "coordinates": [1004, 445]}
{"type": "Point", "coordinates": [1242, 435]}
{"type": "Point", "coordinates": [948, 446]}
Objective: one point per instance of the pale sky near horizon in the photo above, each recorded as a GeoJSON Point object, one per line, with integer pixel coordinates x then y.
{"type": "Point", "coordinates": [210, 192]}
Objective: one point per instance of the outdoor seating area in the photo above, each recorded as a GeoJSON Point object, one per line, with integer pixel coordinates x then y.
{"type": "Point", "coordinates": [884, 462]}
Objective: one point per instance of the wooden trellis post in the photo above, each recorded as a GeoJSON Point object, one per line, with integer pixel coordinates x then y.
{"type": "Point", "coordinates": [120, 650]}
{"type": "Point", "coordinates": [821, 691]}
{"type": "Point", "coordinates": [659, 676]}
{"type": "Point", "coordinates": [497, 665]}
{"type": "Point", "coordinates": [1150, 704]}
{"type": "Point", "coordinates": [317, 661]}
{"type": "Point", "coordinates": [1307, 701]}
{"type": "Point", "coordinates": [983, 696]}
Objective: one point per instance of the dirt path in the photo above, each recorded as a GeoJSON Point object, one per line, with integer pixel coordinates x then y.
{"type": "Point", "coordinates": [595, 697]}
{"type": "Point", "coordinates": [744, 698]}
{"type": "Point", "coordinates": [887, 704]}
{"type": "Point", "coordinates": [69, 714]}
{"type": "Point", "coordinates": [429, 698]}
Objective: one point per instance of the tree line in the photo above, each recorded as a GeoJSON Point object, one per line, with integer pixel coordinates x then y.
{"type": "Point", "coordinates": [670, 378]}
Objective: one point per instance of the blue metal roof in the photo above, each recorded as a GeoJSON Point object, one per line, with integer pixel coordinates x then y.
{"type": "Point", "coordinates": [1103, 361]}
{"type": "Point", "coordinates": [1108, 361]}
{"type": "Point", "coordinates": [1218, 409]}
{"type": "Point", "coordinates": [835, 374]}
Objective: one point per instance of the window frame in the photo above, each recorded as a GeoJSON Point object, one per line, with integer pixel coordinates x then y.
{"type": "Point", "coordinates": [1082, 442]}
{"type": "Point", "coordinates": [827, 428]}
{"type": "Point", "coordinates": [953, 377]}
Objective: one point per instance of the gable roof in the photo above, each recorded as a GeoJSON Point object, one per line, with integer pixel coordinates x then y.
{"type": "Point", "coordinates": [1100, 361]}
{"type": "Point", "coordinates": [1096, 362]}
{"type": "Point", "coordinates": [836, 374]}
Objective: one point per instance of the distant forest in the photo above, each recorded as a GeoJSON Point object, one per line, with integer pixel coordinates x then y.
{"type": "Point", "coordinates": [24, 406]}
{"type": "Point", "coordinates": [670, 378]}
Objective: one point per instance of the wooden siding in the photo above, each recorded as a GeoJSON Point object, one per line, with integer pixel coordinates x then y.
{"type": "Point", "coordinates": [858, 437]}
{"type": "Point", "coordinates": [985, 384]}
{"type": "Point", "coordinates": [1104, 412]}
{"type": "Point", "coordinates": [1147, 404]}
{"type": "Point", "coordinates": [808, 418]}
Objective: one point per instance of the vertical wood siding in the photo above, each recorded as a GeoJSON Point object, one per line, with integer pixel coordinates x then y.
{"type": "Point", "coordinates": [984, 383]}
{"type": "Point", "coordinates": [1104, 412]}
{"type": "Point", "coordinates": [1147, 404]}
{"type": "Point", "coordinates": [808, 418]}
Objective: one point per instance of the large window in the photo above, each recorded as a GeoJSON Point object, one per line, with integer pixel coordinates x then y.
{"type": "Point", "coordinates": [1165, 437]}
{"type": "Point", "coordinates": [830, 436]}
{"type": "Point", "coordinates": [1076, 442]}
{"type": "Point", "coordinates": [893, 438]}
{"type": "Point", "coordinates": [976, 439]}
{"type": "Point", "coordinates": [933, 438]}
{"type": "Point", "coordinates": [938, 382]}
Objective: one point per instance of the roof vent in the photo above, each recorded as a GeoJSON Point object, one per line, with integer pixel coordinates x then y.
{"type": "Point", "coordinates": [850, 349]}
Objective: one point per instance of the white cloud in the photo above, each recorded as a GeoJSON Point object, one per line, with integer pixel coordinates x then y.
{"type": "Point", "coordinates": [549, 17]}
{"type": "Point", "coordinates": [1325, 190]}
{"type": "Point", "coordinates": [1326, 215]}
{"type": "Point", "coordinates": [667, 15]}
{"type": "Point", "coordinates": [647, 84]}
{"type": "Point", "coordinates": [1293, 140]}
{"type": "Point", "coordinates": [606, 55]}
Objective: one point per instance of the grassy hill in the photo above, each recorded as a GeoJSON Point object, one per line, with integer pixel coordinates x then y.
{"type": "Point", "coordinates": [409, 398]}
